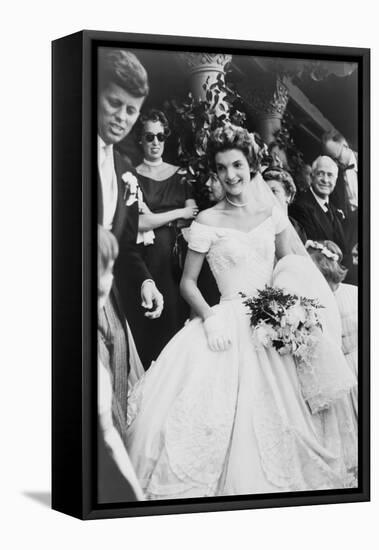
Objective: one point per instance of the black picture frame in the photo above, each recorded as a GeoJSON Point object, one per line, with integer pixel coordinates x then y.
{"type": "Point", "coordinates": [74, 274]}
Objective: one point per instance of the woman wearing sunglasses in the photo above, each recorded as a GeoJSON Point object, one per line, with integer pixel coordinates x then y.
{"type": "Point", "coordinates": [170, 206]}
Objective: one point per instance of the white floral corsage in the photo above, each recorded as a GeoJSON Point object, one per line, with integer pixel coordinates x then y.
{"type": "Point", "coordinates": [341, 213]}
{"type": "Point", "coordinates": [131, 188]}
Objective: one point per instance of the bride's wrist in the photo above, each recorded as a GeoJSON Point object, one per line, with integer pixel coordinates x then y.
{"type": "Point", "coordinates": [208, 314]}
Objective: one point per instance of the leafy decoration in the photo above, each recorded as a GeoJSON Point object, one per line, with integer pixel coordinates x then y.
{"type": "Point", "coordinates": [193, 120]}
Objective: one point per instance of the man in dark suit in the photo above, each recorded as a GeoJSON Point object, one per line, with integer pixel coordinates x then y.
{"type": "Point", "coordinates": [122, 88]}
{"type": "Point", "coordinates": [314, 210]}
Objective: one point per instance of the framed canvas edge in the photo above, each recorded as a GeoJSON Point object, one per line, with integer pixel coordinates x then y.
{"type": "Point", "coordinates": [89, 509]}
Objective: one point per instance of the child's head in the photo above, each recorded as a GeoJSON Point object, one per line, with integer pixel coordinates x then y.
{"type": "Point", "coordinates": [328, 256]}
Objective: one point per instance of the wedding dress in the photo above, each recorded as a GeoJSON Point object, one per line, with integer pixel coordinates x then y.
{"type": "Point", "coordinates": [205, 423]}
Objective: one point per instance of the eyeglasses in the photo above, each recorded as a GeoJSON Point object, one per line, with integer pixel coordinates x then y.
{"type": "Point", "coordinates": [149, 137]}
{"type": "Point", "coordinates": [322, 174]}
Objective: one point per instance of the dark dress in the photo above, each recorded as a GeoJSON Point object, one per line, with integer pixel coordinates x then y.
{"type": "Point", "coordinates": [151, 335]}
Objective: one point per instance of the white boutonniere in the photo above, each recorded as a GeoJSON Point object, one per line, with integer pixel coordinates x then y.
{"type": "Point", "coordinates": [341, 213]}
{"type": "Point", "coordinates": [131, 188]}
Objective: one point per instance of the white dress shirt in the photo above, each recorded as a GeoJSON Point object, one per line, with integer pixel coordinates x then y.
{"type": "Point", "coordinates": [108, 180]}
{"type": "Point", "coordinates": [109, 190]}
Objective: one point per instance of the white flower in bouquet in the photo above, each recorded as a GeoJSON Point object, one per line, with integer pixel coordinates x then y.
{"type": "Point", "coordinates": [264, 334]}
{"type": "Point", "coordinates": [288, 333]}
{"type": "Point", "coordinates": [285, 349]}
{"type": "Point", "coordinates": [274, 306]}
{"type": "Point", "coordinates": [296, 315]}
{"type": "Point", "coordinates": [312, 318]}
{"type": "Point", "coordinates": [302, 349]}
{"type": "Point", "coordinates": [283, 321]}
{"type": "Point", "coordinates": [313, 335]}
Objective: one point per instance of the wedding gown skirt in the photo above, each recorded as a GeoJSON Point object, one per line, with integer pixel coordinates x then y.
{"type": "Point", "coordinates": [206, 423]}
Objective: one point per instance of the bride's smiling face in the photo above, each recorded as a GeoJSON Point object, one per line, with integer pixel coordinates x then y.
{"type": "Point", "coordinates": [233, 171]}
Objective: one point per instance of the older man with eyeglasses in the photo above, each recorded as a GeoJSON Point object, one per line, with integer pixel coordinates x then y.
{"type": "Point", "coordinates": [313, 208]}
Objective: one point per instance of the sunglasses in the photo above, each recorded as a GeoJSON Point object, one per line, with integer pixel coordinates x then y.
{"type": "Point", "coordinates": [149, 137]}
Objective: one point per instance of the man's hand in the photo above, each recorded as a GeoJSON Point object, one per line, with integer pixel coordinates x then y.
{"type": "Point", "coordinates": [152, 299]}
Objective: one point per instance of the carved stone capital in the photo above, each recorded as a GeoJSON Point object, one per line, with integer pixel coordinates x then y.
{"type": "Point", "coordinates": [204, 69]}
{"type": "Point", "coordinates": [268, 100]}
{"type": "Point", "coordinates": [204, 62]}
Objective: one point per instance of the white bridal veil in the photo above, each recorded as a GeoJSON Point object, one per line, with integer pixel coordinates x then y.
{"type": "Point", "coordinates": [329, 376]}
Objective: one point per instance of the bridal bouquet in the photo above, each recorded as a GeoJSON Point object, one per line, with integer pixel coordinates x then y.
{"type": "Point", "coordinates": [286, 322]}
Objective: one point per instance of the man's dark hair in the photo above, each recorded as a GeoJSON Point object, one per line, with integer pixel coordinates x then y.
{"type": "Point", "coordinates": [124, 69]}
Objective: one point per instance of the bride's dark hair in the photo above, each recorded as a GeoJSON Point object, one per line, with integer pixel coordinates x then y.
{"type": "Point", "coordinates": [230, 137]}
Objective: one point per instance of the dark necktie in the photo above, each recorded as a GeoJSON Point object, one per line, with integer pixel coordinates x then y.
{"type": "Point", "coordinates": [329, 213]}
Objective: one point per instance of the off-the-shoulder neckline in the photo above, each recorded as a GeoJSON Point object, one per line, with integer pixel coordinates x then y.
{"type": "Point", "coordinates": [215, 227]}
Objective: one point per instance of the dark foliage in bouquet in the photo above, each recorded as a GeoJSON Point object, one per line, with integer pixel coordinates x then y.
{"type": "Point", "coordinates": [193, 120]}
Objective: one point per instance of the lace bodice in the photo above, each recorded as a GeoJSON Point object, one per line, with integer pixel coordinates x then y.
{"type": "Point", "coordinates": [240, 261]}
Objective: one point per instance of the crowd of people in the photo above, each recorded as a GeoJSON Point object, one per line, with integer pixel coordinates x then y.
{"type": "Point", "coordinates": [188, 406]}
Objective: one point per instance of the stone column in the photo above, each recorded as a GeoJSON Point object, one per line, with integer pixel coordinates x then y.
{"type": "Point", "coordinates": [202, 68]}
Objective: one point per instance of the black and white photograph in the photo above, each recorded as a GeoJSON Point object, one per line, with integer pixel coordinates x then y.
{"type": "Point", "coordinates": [189, 248]}
{"type": "Point", "coordinates": [228, 274]}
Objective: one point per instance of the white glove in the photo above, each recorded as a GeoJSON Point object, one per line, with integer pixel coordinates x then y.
{"type": "Point", "coordinates": [217, 333]}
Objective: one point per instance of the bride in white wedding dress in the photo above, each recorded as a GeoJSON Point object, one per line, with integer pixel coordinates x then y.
{"type": "Point", "coordinates": [217, 415]}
